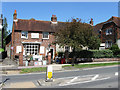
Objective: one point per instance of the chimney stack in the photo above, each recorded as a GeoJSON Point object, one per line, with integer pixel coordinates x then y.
{"type": "Point", "coordinates": [54, 18]}
{"type": "Point", "coordinates": [15, 16]}
{"type": "Point", "coordinates": [91, 22]}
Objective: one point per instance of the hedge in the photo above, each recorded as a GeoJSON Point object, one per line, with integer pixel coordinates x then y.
{"type": "Point", "coordinates": [116, 53]}
{"type": "Point", "coordinates": [102, 53]}
{"type": "Point", "coordinates": [93, 54]}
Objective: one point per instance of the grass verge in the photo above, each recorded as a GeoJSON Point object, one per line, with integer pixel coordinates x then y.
{"type": "Point", "coordinates": [29, 70]}
{"type": "Point", "coordinates": [90, 65]}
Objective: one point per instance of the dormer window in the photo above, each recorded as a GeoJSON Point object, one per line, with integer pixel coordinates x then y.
{"type": "Point", "coordinates": [24, 34]}
{"type": "Point", "coordinates": [45, 35]}
{"type": "Point", "coordinates": [109, 31]}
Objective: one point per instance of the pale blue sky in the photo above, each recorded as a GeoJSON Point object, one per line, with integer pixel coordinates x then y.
{"type": "Point", "coordinates": [99, 11]}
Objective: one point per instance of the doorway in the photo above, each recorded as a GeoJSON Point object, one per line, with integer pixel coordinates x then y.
{"type": "Point", "coordinates": [52, 51]}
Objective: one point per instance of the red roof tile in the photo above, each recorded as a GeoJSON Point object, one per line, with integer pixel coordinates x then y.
{"type": "Point", "coordinates": [114, 19]}
{"type": "Point", "coordinates": [35, 25]}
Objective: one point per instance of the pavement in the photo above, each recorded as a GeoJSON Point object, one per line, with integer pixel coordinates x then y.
{"type": "Point", "coordinates": [22, 85]}
{"type": "Point", "coordinates": [9, 62]}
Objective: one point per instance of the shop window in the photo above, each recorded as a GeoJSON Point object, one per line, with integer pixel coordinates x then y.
{"type": "Point", "coordinates": [31, 49]}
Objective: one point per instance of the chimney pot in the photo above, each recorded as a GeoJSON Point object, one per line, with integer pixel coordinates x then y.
{"type": "Point", "coordinates": [91, 22]}
{"type": "Point", "coordinates": [15, 12]}
{"type": "Point", "coordinates": [54, 18]}
{"type": "Point", "coordinates": [15, 16]}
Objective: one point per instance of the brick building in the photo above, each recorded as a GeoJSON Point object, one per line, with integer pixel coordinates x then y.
{"type": "Point", "coordinates": [109, 32]}
{"type": "Point", "coordinates": [32, 37]}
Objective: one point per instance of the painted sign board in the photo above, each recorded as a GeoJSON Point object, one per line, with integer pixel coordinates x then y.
{"type": "Point", "coordinates": [18, 49]}
{"type": "Point", "coordinates": [42, 48]}
{"type": "Point", "coordinates": [34, 35]}
{"type": "Point", "coordinates": [36, 63]}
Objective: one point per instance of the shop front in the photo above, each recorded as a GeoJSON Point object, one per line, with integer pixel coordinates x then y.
{"type": "Point", "coordinates": [31, 54]}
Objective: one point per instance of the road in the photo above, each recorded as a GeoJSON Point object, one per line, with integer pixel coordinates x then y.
{"type": "Point", "coordinates": [104, 77]}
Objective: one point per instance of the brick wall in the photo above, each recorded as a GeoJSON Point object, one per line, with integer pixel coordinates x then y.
{"type": "Point", "coordinates": [111, 37]}
{"type": "Point", "coordinates": [18, 40]}
{"type": "Point", "coordinates": [118, 33]}
{"type": "Point", "coordinates": [105, 59]}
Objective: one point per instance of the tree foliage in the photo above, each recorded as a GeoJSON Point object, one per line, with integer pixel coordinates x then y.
{"type": "Point", "coordinates": [114, 47]}
{"type": "Point", "coordinates": [77, 34]}
{"type": "Point", "coordinates": [5, 31]}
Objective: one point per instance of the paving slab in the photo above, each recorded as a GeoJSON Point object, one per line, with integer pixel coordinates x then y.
{"type": "Point", "coordinates": [22, 85]}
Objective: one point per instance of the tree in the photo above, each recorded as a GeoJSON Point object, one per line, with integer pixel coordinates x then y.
{"type": "Point", "coordinates": [77, 35]}
{"type": "Point", "coordinates": [5, 31]}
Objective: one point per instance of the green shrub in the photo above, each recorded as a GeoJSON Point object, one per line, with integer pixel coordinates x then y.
{"type": "Point", "coordinates": [60, 54]}
{"type": "Point", "coordinates": [114, 47]}
{"type": "Point", "coordinates": [116, 53]}
{"type": "Point", "coordinates": [1, 50]}
{"type": "Point", "coordinates": [93, 54]}
{"type": "Point", "coordinates": [102, 53]}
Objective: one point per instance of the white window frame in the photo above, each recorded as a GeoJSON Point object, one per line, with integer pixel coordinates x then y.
{"type": "Point", "coordinates": [24, 36]}
{"type": "Point", "coordinates": [43, 37]}
{"type": "Point", "coordinates": [32, 49]}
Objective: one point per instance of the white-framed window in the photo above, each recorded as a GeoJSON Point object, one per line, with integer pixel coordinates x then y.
{"type": "Point", "coordinates": [67, 48]}
{"type": "Point", "coordinates": [24, 34]}
{"type": "Point", "coordinates": [109, 31]}
{"type": "Point", "coordinates": [108, 44]}
{"type": "Point", "coordinates": [31, 49]}
{"type": "Point", "coordinates": [45, 35]}
{"type": "Point", "coordinates": [34, 35]}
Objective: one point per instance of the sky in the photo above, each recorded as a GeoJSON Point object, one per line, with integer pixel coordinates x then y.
{"type": "Point", "coordinates": [99, 11]}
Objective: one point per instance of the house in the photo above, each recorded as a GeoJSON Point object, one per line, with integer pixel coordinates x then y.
{"type": "Point", "coordinates": [32, 37]}
{"type": "Point", "coordinates": [109, 32]}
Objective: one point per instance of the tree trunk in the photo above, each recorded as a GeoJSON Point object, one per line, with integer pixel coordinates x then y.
{"type": "Point", "coordinates": [73, 60]}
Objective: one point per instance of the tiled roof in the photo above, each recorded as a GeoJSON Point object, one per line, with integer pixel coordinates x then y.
{"type": "Point", "coordinates": [114, 19]}
{"type": "Point", "coordinates": [35, 25]}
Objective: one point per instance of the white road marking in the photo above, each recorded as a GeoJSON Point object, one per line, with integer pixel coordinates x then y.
{"type": "Point", "coordinates": [96, 76]}
{"type": "Point", "coordinates": [73, 79]}
{"type": "Point", "coordinates": [116, 73]}
{"type": "Point", "coordinates": [83, 82]}
{"type": "Point", "coordinates": [76, 76]}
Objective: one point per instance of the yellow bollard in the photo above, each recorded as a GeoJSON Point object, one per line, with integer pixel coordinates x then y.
{"type": "Point", "coordinates": [49, 75]}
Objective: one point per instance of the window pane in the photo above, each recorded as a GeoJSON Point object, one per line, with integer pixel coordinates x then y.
{"type": "Point", "coordinates": [24, 34]}
{"type": "Point", "coordinates": [32, 49]}
{"type": "Point", "coordinates": [45, 35]}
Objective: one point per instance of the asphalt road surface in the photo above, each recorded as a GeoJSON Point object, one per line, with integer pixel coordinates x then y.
{"type": "Point", "coordinates": [102, 77]}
